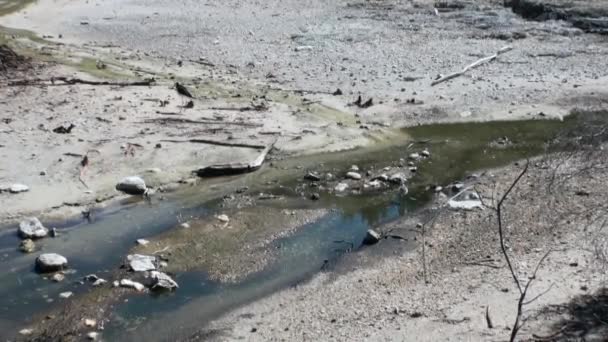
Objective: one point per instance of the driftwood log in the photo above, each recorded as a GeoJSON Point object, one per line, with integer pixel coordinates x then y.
{"type": "Point", "coordinates": [472, 66]}
{"type": "Point", "coordinates": [235, 168]}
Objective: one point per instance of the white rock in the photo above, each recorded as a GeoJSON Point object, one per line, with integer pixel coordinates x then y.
{"type": "Point", "coordinates": [66, 295]}
{"type": "Point", "coordinates": [185, 225]}
{"type": "Point", "coordinates": [58, 277]}
{"type": "Point", "coordinates": [372, 237]}
{"type": "Point", "coordinates": [31, 228]}
{"type": "Point", "coordinates": [375, 184]}
{"type": "Point", "coordinates": [99, 282]}
{"type": "Point", "coordinates": [115, 283]}
{"type": "Point", "coordinates": [132, 284]}
{"type": "Point", "coordinates": [353, 175]}
{"type": "Point", "coordinates": [132, 185]}
{"type": "Point", "coordinates": [51, 262]}
{"type": "Point", "coordinates": [141, 263]}
{"type": "Point", "coordinates": [341, 187]}
{"type": "Point", "coordinates": [354, 168]}
{"type": "Point", "coordinates": [92, 335]}
{"type": "Point", "coordinates": [303, 48]}
{"type": "Point", "coordinates": [223, 218]}
{"type": "Point", "coordinates": [162, 281]}
{"type": "Point", "coordinates": [425, 153]}
{"type": "Point", "coordinates": [26, 332]}
{"type": "Point", "coordinates": [17, 188]}
{"type": "Point", "coordinates": [90, 322]}
{"type": "Point", "coordinates": [142, 242]}
{"type": "Point", "coordinates": [414, 156]}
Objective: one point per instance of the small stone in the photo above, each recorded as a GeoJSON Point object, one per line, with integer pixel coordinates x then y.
{"type": "Point", "coordinates": [425, 153]}
{"type": "Point", "coordinates": [90, 322]}
{"type": "Point", "coordinates": [31, 228]}
{"type": "Point", "coordinates": [58, 277]}
{"type": "Point", "coordinates": [315, 196]}
{"type": "Point", "coordinates": [414, 156]}
{"type": "Point", "coordinates": [142, 242]}
{"type": "Point", "coordinates": [99, 282]}
{"type": "Point", "coordinates": [457, 187]}
{"type": "Point", "coordinates": [92, 335]}
{"type": "Point", "coordinates": [223, 218]}
{"type": "Point", "coordinates": [66, 295]}
{"type": "Point", "coordinates": [312, 176]}
{"type": "Point", "coordinates": [26, 332]}
{"type": "Point", "coordinates": [141, 263]}
{"type": "Point", "coordinates": [438, 188]}
{"type": "Point", "coordinates": [132, 284]}
{"type": "Point", "coordinates": [51, 262]}
{"type": "Point", "coordinates": [17, 188]}
{"type": "Point", "coordinates": [303, 48]}
{"type": "Point", "coordinates": [162, 281]}
{"type": "Point", "coordinates": [413, 169]}
{"type": "Point", "coordinates": [354, 168]}
{"type": "Point", "coordinates": [115, 283]}
{"type": "Point", "coordinates": [91, 277]}
{"type": "Point", "coordinates": [185, 225]}
{"type": "Point", "coordinates": [154, 170]}
{"type": "Point", "coordinates": [27, 246]}
{"type": "Point", "coordinates": [353, 175]}
{"type": "Point", "coordinates": [54, 232]}
{"type": "Point", "coordinates": [341, 187]}
{"type": "Point", "coordinates": [372, 237]}
{"type": "Point", "coordinates": [43, 173]}
{"type": "Point", "coordinates": [132, 185]}
{"type": "Point", "coordinates": [398, 178]}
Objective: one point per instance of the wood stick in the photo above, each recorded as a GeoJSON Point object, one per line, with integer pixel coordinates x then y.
{"type": "Point", "coordinates": [235, 168]}
{"type": "Point", "coordinates": [71, 81]}
{"type": "Point", "coordinates": [472, 66]}
{"type": "Point", "coordinates": [215, 142]}
{"type": "Point", "coordinates": [213, 122]}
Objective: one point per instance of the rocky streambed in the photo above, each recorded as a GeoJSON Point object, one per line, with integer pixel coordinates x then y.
{"type": "Point", "coordinates": [225, 242]}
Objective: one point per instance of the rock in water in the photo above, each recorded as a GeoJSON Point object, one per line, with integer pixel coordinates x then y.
{"type": "Point", "coordinates": [398, 178]}
{"type": "Point", "coordinates": [341, 187]}
{"type": "Point", "coordinates": [50, 262]}
{"type": "Point", "coordinates": [58, 277]}
{"type": "Point", "coordinates": [17, 188]}
{"type": "Point", "coordinates": [66, 295]}
{"type": "Point", "coordinates": [132, 185]}
{"type": "Point", "coordinates": [92, 335]}
{"type": "Point", "coordinates": [353, 175]}
{"type": "Point", "coordinates": [162, 281]}
{"type": "Point", "coordinates": [312, 176]}
{"type": "Point", "coordinates": [27, 246]}
{"type": "Point", "coordinates": [132, 284]}
{"type": "Point", "coordinates": [31, 228]}
{"type": "Point", "coordinates": [372, 237]}
{"type": "Point", "coordinates": [141, 263]}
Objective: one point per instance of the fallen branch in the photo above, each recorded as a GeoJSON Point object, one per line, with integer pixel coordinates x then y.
{"type": "Point", "coordinates": [215, 142]}
{"type": "Point", "coordinates": [212, 122]}
{"type": "Point", "coordinates": [235, 168]}
{"type": "Point", "coordinates": [473, 65]}
{"type": "Point", "coordinates": [71, 81]}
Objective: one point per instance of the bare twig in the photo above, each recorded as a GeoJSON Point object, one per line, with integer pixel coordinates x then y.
{"type": "Point", "coordinates": [215, 142]}
{"type": "Point", "coordinates": [472, 66]}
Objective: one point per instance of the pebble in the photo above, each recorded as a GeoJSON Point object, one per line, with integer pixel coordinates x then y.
{"type": "Point", "coordinates": [58, 277]}
{"type": "Point", "coordinates": [414, 156]}
{"type": "Point", "coordinates": [354, 168]}
{"type": "Point", "coordinates": [66, 295]}
{"type": "Point", "coordinates": [132, 284]}
{"type": "Point", "coordinates": [132, 185]}
{"type": "Point", "coordinates": [312, 176]}
{"type": "Point", "coordinates": [425, 153]}
{"type": "Point", "coordinates": [142, 242]}
{"type": "Point", "coordinates": [341, 187]}
{"type": "Point", "coordinates": [185, 225]}
{"type": "Point", "coordinates": [372, 237]}
{"type": "Point", "coordinates": [27, 246]}
{"type": "Point", "coordinates": [353, 175]}
{"type": "Point", "coordinates": [31, 228]}
{"type": "Point", "coordinates": [223, 218]}
{"type": "Point", "coordinates": [51, 262]}
{"type": "Point", "coordinates": [17, 188]}
{"type": "Point", "coordinates": [26, 332]}
{"type": "Point", "coordinates": [99, 282]}
{"type": "Point", "coordinates": [92, 335]}
{"type": "Point", "coordinates": [315, 196]}
{"type": "Point", "coordinates": [303, 48]}
{"type": "Point", "coordinates": [398, 178]}
{"type": "Point", "coordinates": [90, 322]}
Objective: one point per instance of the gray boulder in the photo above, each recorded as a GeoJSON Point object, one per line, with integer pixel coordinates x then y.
{"type": "Point", "coordinates": [31, 228]}
{"type": "Point", "coordinates": [141, 263]}
{"type": "Point", "coordinates": [132, 185]}
{"type": "Point", "coordinates": [162, 281]}
{"type": "Point", "coordinates": [51, 262]}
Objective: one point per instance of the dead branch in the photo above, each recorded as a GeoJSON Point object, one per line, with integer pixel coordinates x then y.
{"type": "Point", "coordinates": [215, 142]}
{"type": "Point", "coordinates": [208, 122]}
{"type": "Point", "coordinates": [71, 81]}
{"type": "Point", "coordinates": [235, 168]}
{"type": "Point", "coordinates": [488, 318]}
{"type": "Point", "coordinates": [472, 66]}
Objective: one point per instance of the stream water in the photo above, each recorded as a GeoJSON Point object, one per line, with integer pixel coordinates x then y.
{"type": "Point", "coordinates": [99, 246]}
